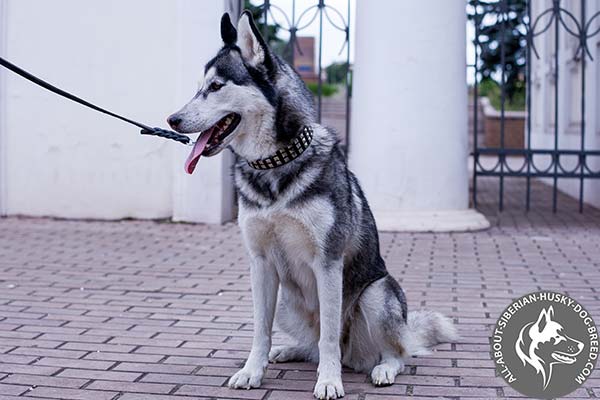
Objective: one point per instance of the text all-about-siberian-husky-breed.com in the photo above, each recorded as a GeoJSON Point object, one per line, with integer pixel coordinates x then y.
{"type": "Point", "coordinates": [313, 244]}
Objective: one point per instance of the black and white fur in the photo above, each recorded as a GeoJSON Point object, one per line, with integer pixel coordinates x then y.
{"type": "Point", "coordinates": [311, 237]}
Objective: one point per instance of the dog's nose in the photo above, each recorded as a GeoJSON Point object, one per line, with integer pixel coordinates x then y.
{"type": "Point", "coordinates": [174, 121]}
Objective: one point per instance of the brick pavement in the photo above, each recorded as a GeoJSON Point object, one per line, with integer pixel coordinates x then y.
{"type": "Point", "coordinates": [149, 310]}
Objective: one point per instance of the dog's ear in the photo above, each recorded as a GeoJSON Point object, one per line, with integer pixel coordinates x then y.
{"type": "Point", "coordinates": [544, 318]}
{"type": "Point", "coordinates": [252, 45]}
{"type": "Point", "coordinates": [228, 32]}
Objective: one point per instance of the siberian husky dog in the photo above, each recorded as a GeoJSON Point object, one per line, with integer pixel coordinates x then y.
{"type": "Point", "coordinates": [311, 237]}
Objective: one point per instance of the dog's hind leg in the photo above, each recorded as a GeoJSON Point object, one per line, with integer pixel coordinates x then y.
{"type": "Point", "coordinates": [281, 354]}
{"type": "Point", "coordinates": [374, 337]}
{"type": "Point", "coordinates": [300, 321]}
{"type": "Point", "coordinates": [383, 333]}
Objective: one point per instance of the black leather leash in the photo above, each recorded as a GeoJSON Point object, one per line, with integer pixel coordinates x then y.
{"type": "Point", "coordinates": [146, 130]}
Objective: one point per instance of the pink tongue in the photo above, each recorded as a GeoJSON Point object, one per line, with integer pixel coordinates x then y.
{"type": "Point", "coordinates": [192, 160]}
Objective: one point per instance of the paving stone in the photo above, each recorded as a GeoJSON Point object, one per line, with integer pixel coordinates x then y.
{"type": "Point", "coordinates": [3, 397]}
{"type": "Point", "coordinates": [124, 357]}
{"type": "Point", "coordinates": [70, 394]}
{"type": "Point", "coordinates": [133, 387]}
{"type": "Point", "coordinates": [132, 310]}
{"type": "Point", "coordinates": [158, 368]}
{"type": "Point", "coordinates": [187, 379]}
{"type": "Point", "coordinates": [221, 392]}
{"type": "Point", "coordinates": [77, 364]}
{"type": "Point", "coordinates": [146, 396]}
{"type": "Point", "coordinates": [28, 369]}
{"type": "Point", "coordinates": [106, 375]}
{"type": "Point", "coordinates": [31, 380]}
{"type": "Point", "coordinates": [15, 390]}
{"type": "Point", "coordinates": [40, 352]}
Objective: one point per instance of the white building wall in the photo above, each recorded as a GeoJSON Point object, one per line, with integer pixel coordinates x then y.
{"type": "Point", "coordinates": [144, 58]}
{"type": "Point", "coordinates": [3, 194]}
{"type": "Point", "coordinates": [141, 58]}
{"type": "Point", "coordinates": [569, 89]}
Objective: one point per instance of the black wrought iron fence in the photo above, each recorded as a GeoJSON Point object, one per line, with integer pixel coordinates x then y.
{"type": "Point", "coordinates": [525, 21]}
{"type": "Point", "coordinates": [294, 21]}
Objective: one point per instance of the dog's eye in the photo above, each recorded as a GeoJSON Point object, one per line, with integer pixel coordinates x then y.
{"type": "Point", "coordinates": [558, 339]}
{"type": "Point", "coordinates": [215, 86]}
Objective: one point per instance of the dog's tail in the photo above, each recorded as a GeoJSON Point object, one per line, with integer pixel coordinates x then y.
{"type": "Point", "coordinates": [425, 329]}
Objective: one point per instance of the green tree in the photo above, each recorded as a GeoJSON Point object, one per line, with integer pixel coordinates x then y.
{"type": "Point", "coordinates": [336, 72]}
{"type": "Point", "coordinates": [270, 31]}
{"type": "Point", "coordinates": [502, 24]}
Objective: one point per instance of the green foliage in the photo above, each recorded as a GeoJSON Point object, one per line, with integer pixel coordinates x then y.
{"type": "Point", "coordinates": [511, 33]}
{"type": "Point", "coordinates": [327, 89]}
{"type": "Point", "coordinates": [491, 89]}
{"type": "Point", "coordinates": [278, 46]}
{"type": "Point", "coordinates": [271, 29]}
{"type": "Point", "coordinates": [336, 72]}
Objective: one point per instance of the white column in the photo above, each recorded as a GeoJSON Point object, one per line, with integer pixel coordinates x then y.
{"type": "Point", "coordinates": [409, 115]}
{"type": "Point", "coordinates": [207, 195]}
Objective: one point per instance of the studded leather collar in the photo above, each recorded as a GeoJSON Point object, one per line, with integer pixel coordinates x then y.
{"type": "Point", "coordinates": [287, 154]}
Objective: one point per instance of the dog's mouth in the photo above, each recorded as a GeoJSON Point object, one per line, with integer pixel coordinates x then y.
{"type": "Point", "coordinates": [563, 358]}
{"type": "Point", "coordinates": [213, 140]}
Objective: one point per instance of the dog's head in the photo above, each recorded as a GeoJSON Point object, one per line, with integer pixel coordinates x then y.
{"type": "Point", "coordinates": [544, 343]}
{"type": "Point", "coordinates": [250, 99]}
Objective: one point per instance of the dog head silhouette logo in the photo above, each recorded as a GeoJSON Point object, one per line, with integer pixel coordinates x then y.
{"type": "Point", "coordinates": [545, 345]}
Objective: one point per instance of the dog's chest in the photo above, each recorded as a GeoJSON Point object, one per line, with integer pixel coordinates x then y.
{"type": "Point", "coordinates": [296, 236]}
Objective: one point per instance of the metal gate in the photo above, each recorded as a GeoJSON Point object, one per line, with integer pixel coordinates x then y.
{"type": "Point", "coordinates": [519, 26]}
{"type": "Point", "coordinates": [294, 21]}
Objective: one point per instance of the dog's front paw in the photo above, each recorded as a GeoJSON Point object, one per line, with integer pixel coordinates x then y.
{"type": "Point", "coordinates": [383, 375]}
{"type": "Point", "coordinates": [246, 378]}
{"type": "Point", "coordinates": [329, 388]}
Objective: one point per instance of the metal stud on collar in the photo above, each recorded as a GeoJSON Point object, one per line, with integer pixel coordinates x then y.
{"type": "Point", "coordinates": [288, 153]}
